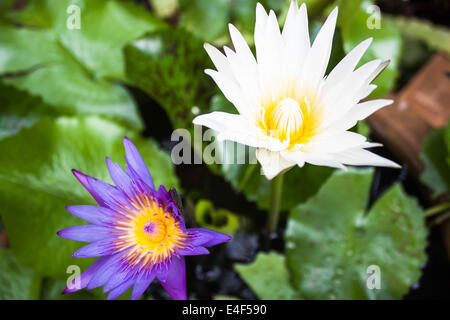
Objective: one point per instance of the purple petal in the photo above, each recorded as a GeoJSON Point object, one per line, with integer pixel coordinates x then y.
{"type": "Point", "coordinates": [95, 249]}
{"type": "Point", "coordinates": [161, 274]}
{"type": "Point", "coordinates": [112, 197]}
{"type": "Point", "coordinates": [120, 178]}
{"type": "Point", "coordinates": [194, 251]}
{"type": "Point", "coordinates": [84, 180]}
{"type": "Point", "coordinates": [142, 284]}
{"type": "Point", "coordinates": [118, 291]}
{"type": "Point", "coordinates": [85, 233]}
{"type": "Point", "coordinates": [86, 276]}
{"type": "Point", "coordinates": [116, 279]}
{"type": "Point", "coordinates": [175, 283]}
{"type": "Point", "coordinates": [134, 159]}
{"type": "Point", "coordinates": [98, 215]}
{"type": "Point", "coordinates": [209, 237]}
{"type": "Point", "coordinates": [105, 272]}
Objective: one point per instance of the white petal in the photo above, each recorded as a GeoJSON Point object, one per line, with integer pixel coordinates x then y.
{"type": "Point", "coordinates": [365, 91]}
{"type": "Point", "coordinates": [319, 55]}
{"type": "Point", "coordinates": [220, 61]}
{"type": "Point", "coordinates": [359, 112]}
{"type": "Point", "coordinates": [378, 70]}
{"type": "Point", "coordinates": [296, 38]}
{"type": "Point", "coordinates": [240, 45]}
{"type": "Point", "coordinates": [261, 16]}
{"type": "Point", "coordinates": [269, 48]}
{"type": "Point", "coordinates": [231, 91]}
{"type": "Point", "coordinates": [335, 142]}
{"type": "Point", "coordinates": [294, 156]}
{"type": "Point", "coordinates": [346, 94]}
{"type": "Point", "coordinates": [346, 66]}
{"type": "Point", "coordinates": [260, 28]}
{"type": "Point", "coordinates": [272, 163]}
{"type": "Point", "coordinates": [365, 109]}
{"type": "Point", "coordinates": [323, 159]}
{"type": "Point", "coordinates": [289, 28]}
{"type": "Point", "coordinates": [237, 128]}
{"type": "Point", "coordinates": [245, 75]}
{"type": "Point", "coordinates": [230, 127]}
{"type": "Point", "coordinates": [361, 157]}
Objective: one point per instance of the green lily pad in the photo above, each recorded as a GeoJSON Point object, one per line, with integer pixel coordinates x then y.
{"type": "Point", "coordinates": [268, 277]}
{"type": "Point", "coordinates": [436, 159]}
{"type": "Point", "coordinates": [72, 68]}
{"type": "Point", "coordinates": [206, 19]}
{"type": "Point", "coordinates": [435, 36]}
{"type": "Point", "coordinates": [19, 110]}
{"type": "Point", "coordinates": [334, 246]}
{"type": "Point", "coordinates": [36, 183]}
{"type": "Point", "coordinates": [105, 28]}
{"type": "Point", "coordinates": [17, 282]}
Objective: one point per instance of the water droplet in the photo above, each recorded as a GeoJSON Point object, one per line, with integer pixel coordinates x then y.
{"type": "Point", "coordinates": [195, 110]}
{"type": "Point", "coordinates": [290, 245]}
{"type": "Point", "coordinates": [360, 221]}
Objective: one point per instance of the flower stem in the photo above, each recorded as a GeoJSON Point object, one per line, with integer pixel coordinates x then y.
{"type": "Point", "coordinates": [276, 191]}
{"type": "Point", "coordinates": [437, 209]}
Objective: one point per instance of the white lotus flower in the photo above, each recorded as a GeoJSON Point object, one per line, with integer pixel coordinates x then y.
{"type": "Point", "coordinates": [288, 109]}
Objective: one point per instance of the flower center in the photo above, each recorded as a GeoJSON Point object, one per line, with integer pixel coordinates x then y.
{"type": "Point", "coordinates": [148, 233]}
{"type": "Point", "coordinates": [156, 230]}
{"type": "Point", "coordinates": [286, 120]}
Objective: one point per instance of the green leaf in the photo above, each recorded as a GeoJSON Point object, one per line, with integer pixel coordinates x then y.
{"type": "Point", "coordinates": [19, 110]}
{"type": "Point", "coordinates": [71, 68]}
{"type": "Point", "coordinates": [363, 128]}
{"type": "Point", "coordinates": [354, 20]}
{"type": "Point", "coordinates": [205, 19]}
{"type": "Point", "coordinates": [5, 7]}
{"type": "Point", "coordinates": [436, 159]}
{"type": "Point", "coordinates": [168, 65]}
{"type": "Point", "coordinates": [36, 183]}
{"type": "Point", "coordinates": [16, 282]}
{"type": "Point", "coordinates": [331, 241]}
{"type": "Point", "coordinates": [105, 28]}
{"type": "Point", "coordinates": [224, 297]}
{"type": "Point", "coordinates": [436, 37]}
{"type": "Point", "coordinates": [220, 220]}
{"type": "Point", "coordinates": [268, 277]}
{"type": "Point", "coordinates": [42, 67]}
{"type": "Point", "coordinates": [243, 13]}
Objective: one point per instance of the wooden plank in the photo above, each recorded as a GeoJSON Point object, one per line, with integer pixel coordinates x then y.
{"type": "Point", "coordinates": [424, 104]}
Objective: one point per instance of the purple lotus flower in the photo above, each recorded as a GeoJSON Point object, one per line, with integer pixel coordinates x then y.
{"type": "Point", "coordinates": [137, 231]}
